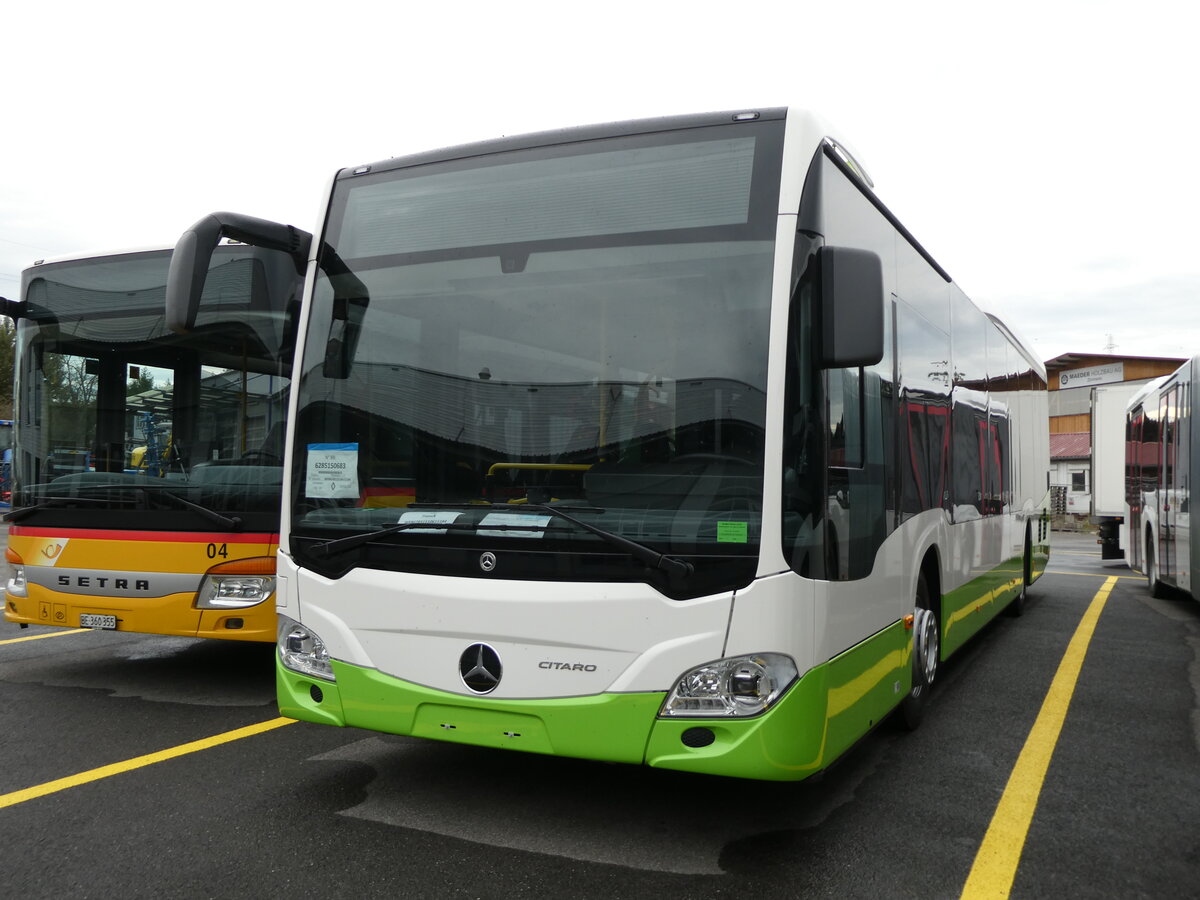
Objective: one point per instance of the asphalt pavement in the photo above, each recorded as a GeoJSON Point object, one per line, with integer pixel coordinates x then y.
{"type": "Point", "coordinates": [309, 811]}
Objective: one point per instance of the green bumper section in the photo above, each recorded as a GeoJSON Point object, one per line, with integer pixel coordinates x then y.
{"type": "Point", "coordinates": [611, 727]}
{"type": "Point", "coordinates": [822, 714]}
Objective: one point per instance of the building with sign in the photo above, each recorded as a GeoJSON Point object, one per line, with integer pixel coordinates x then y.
{"type": "Point", "coordinates": [1071, 380]}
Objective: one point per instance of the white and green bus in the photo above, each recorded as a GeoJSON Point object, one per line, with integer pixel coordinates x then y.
{"type": "Point", "coordinates": [656, 442]}
{"type": "Point", "coordinates": [1162, 461]}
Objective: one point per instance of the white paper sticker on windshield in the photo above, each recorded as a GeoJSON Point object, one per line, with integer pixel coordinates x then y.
{"type": "Point", "coordinates": [513, 519]}
{"type": "Point", "coordinates": [332, 471]}
{"type": "Point", "coordinates": [432, 516]}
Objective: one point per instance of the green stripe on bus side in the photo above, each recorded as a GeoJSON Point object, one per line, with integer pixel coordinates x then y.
{"type": "Point", "coordinates": [825, 712]}
{"type": "Point", "coordinates": [970, 607]}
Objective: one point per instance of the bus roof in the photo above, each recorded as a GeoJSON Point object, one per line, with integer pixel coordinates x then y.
{"type": "Point", "coordinates": [107, 254]}
{"type": "Point", "coordinates": [1019, 342]}
{"type": "Point", "coordinates": [571, 135]}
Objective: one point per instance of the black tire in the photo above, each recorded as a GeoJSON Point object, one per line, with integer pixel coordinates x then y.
{"type": "Point", "coordinates": [924, 657]}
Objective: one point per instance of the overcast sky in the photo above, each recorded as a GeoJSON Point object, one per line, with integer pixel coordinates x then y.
{"type": "Point", "coordinates": [1043, 152]}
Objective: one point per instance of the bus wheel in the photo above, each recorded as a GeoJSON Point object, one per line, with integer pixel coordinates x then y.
{"type": "Point", "coordinates": [924, 657]}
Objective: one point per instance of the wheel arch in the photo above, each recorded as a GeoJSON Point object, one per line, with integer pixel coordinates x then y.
{"type": "Point", "coordinates": [931, 569]}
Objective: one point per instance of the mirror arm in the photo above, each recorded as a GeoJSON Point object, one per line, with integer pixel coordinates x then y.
{"type": "Point", "coordinates": [14, 309]}
{"type": "Point", "coordinates": [194, 250]}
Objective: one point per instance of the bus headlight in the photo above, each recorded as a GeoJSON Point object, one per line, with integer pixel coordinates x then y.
{"type": "Point", "coordinates": [738, 686]}
{"type": "Point", "coordinates": [16, 582]}
{"type": "Point", "coordinates": [238, 584]}
{"type": "Point", "coordinates": [303, 651]}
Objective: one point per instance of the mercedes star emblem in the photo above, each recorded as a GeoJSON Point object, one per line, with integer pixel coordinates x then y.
{"type": "Point", "coordinates": [480, 668]}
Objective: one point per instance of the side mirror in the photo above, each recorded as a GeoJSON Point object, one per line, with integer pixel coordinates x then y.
{"type": "Point", "coordinates": [350, 301]}
{"type": "Point", "coordinates": [193, 254]}
{"type": "Point", "coordinates": [14, 309]}
{"type": "Point", "coordinates": [344, 331]}
{"type": "Point", "coordinates": [851, 307]}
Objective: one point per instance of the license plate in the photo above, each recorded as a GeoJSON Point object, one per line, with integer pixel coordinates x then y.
{"type": "Point", "coordinates": [87, 620]}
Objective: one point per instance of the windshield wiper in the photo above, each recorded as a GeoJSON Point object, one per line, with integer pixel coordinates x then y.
{"type": "Point", "coordinates": [230, 523]}
{"type": "Point", "coordinates": [339, 545]}
{"type": "Point", "coordinates": [16, 515]}
{"type": "Point", "coordinates": [641, 552]}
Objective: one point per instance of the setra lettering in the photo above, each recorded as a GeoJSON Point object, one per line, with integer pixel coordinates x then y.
{"type": "Point", "coordinates": [119, 584]}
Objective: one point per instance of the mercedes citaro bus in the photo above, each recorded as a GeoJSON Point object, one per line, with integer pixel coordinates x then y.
{"type": "Point", "coordinates": [657, 442]}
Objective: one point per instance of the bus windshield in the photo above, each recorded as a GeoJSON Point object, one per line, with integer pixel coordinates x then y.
{"type": "Point", "coordinates": [582, 326]}
{"type": "Point", "coordinates": [123, 424]}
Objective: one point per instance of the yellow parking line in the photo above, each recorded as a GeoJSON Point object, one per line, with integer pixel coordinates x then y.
{"type": "Point", "coordinates": [61, 784]}
{"type": "Point", "coordinates": [38, 637]}
{"type": "Point", "coordinates": [1100, 575]}
{"type": "Point", "coordinates": [996, 862]}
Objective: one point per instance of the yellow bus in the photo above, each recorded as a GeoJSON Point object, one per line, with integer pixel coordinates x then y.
{"type": "Point", "coordinates": [147, 465]}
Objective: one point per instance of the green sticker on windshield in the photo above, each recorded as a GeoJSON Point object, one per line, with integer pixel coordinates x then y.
{"type": "Point", "coordinates": [731, 532]}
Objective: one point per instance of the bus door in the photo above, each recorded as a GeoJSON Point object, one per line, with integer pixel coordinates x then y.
{"type": "Point", "coordinates": [1133, 488]}
{"type": "Point", "coordinates": [1167, 506]}
{"type": "Point", "coordinates": [1180, 487]}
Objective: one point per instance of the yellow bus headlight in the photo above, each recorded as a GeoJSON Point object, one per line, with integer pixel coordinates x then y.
{"type": "Point", "coordinates": [238, 584]}
{"type": "Point", "coordinates": [16, 581]}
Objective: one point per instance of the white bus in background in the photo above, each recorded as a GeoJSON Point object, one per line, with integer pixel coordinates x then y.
{"type": "Point", "coordinates": [659, 442]}
{"type": "Point", "coordinates": [1160, 466]}
{"type": "Point", "coordinates": [1109, 404]}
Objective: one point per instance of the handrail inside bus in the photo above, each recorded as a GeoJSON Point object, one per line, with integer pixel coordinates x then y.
{"type": "Point", "coordinates": [545, 467]}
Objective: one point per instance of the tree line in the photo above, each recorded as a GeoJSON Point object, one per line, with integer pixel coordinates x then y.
{"type": "Point", "coordinates": [8, 340]}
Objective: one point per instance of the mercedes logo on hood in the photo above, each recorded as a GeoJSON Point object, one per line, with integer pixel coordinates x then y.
{"type": "Point", "coordinates": [480, 669]}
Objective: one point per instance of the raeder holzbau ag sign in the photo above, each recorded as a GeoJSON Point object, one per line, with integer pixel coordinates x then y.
{"type": "Point", "coordinates": [1092, 375]}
